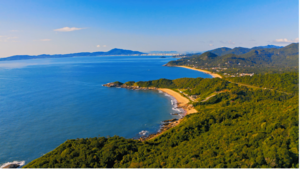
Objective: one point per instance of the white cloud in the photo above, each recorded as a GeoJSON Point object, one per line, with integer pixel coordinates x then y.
{"type": "Point", "coordinates": [231, 42]}
{"type": "Point", "coordinates": [285, 40]}
{"type": "Point", "coordinates": [211, 45]}
{"type": "Point", "coordinates": [98, 46]}
{"type": "Point", "coordinates": [67, 29]}
{"type": "Point", "coordinates": [8, 38]}
{"type": "Point", "coordinates": [45, 40]}
{"type": "Point", "coordinates": [14, 37]}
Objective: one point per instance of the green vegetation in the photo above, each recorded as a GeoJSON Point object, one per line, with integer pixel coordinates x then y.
{"type": "Point", "coordinates": [238, 127]}
{"type": "Point", "coordinates": [243, 60]}
{"type": "Point", "coordinates": [118, 83]}
{"type": "Point", "coordinates": [193, 86]}
{"type": "Point", "coordinates": [287, 82]}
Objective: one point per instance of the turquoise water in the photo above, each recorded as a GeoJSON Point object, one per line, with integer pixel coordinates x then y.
{"type": "Point", "coordinates": [44, 102]}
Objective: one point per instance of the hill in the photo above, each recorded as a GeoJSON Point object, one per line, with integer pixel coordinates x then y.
{"type": "Point", "coordinates": [240, 50]}
{"type": "Point", "coordinates": [239, 127]}
{"type": "Point", "coordinates": [111, 52]}
{"type": "Point", "coordinates": [268, 46]}
{"type": "Point", "coordinates": [238, 60]}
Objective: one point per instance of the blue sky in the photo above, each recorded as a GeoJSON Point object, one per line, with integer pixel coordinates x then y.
{"type": "Point", "coordinates": [69, 26]}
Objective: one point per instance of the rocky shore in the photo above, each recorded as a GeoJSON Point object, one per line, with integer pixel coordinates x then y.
{"type": "Point", "coordinates": [15, 164]}
{"type": "Point", "coordinates": [11, 166]}
{"type": "Point", "coordinates": [167, 124]}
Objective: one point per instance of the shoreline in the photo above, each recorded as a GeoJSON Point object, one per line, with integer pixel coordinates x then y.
{"type": "Point", "coordinates": [214, 75]}
{"type": "Point", "coordinates": [182, 102]}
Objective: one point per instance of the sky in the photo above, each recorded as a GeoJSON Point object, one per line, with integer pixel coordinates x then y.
{"type": "Point", "coordinates": [35, 27]}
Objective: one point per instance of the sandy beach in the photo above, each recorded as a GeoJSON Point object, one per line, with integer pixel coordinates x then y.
{"type": "Point", "coordinates": [181, 100]}
{"type": "Point", "coordinates": [215, 75]}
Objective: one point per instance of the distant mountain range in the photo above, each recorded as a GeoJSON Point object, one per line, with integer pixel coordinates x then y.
{"type": "Point", "coordinates": [257, 59]}
{"type": "Point", "coordinates": [111, 52]}
{"type": "Point", "coordinates": [224, 50]}
{"type": "Point", "coordinates": [240, 50]}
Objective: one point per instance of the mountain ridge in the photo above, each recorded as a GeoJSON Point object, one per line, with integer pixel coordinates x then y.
{"type": "Point", "coordinates": [240, 50]}
{"type": "Point", "coordinates": [254, 61]}
{"type": "Point", "coordinates": [115, 51]}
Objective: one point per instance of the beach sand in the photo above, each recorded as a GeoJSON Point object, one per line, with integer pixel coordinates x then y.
{"type": "Point", "coordinates": [181, 100]}
{"type": "Point", "coordinates": [204, 71]}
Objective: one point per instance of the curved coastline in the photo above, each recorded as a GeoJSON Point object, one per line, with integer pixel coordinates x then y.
{"type": "Point", "coordinates": [182, 102]}
{"type": "Point", "coordinates": [214, 75]}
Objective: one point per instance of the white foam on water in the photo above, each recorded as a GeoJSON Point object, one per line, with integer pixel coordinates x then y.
{"type": "Point", "coordinates": [20, 163]}
{"type": "Point", "coordinates": [176, 109]}
{"type": "Point", "coordinates": [174, 105]}
{"type": "Point", "coordinates": [143, 132]}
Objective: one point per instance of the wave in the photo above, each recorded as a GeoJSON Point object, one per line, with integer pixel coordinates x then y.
{"type": "Point", "coordinates": [174, 106]}
{"type": "Point", "coordinates": [176, 109]}
{"type": "Point", "coordinates": [16, 163]}
{"type": "Point", "coordinates": [143, 132]}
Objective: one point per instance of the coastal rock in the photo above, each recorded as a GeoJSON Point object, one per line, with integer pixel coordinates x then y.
{"type": "Point", "coordinates": [14, 164]}
{"type": "Point", "coordinates": [168, 121]}
{"type": "Point", "coordinates": [11, 166]}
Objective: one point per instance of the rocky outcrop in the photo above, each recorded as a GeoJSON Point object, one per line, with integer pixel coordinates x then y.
{"type": "Point", "coordinates": [113, 84]}
{"type": "Point", "coordinates": [168, 121]}
{"type": "Point", "coordinates": [11, 166]}
{"type": "Point", "coordinates": [167, 124]}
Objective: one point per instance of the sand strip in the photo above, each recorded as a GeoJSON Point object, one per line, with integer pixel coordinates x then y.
{"type": "Point", "coordinates": [181, 100]}
{"type": "Point", "coordinates": [204, 71]}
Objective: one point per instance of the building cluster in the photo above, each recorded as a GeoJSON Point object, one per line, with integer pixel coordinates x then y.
{"type": "Point", "coordinates": [238, 74]}
{"type": "Point", "coordinates": [160, 54]}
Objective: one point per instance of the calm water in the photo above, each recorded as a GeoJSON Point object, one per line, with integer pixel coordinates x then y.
{"type": "Point", "coordinates": [44, 102]}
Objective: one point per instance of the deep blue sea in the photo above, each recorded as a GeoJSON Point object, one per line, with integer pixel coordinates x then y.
{"type": "Point", "coordinates": [44, 102]}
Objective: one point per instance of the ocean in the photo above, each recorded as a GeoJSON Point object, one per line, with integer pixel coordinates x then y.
{"type": "Point", "coordinates": [44, 102]}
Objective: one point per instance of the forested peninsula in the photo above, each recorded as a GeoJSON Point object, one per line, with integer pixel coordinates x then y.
{"type": "Point", "coordinates": [246, 119]}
